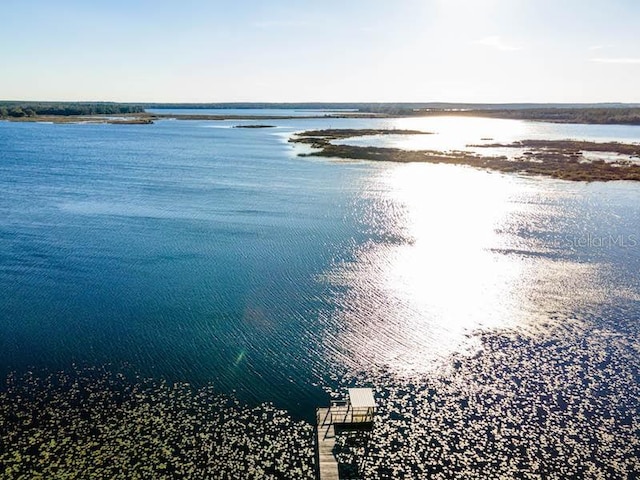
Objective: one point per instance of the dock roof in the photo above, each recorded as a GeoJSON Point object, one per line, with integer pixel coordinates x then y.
{"type": "Point", "coordinates": [361, 398]}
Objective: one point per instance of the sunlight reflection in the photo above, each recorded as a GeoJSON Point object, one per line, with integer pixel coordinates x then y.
{"type": "Point", "coordinates": [448, 276]}
{"type": "Point", "coordinates": [441, 272]}
{"type": "Point", "coordinates": [448, 133]}
{"type": "Point", "coordinates": [452, 228]}
{"type": "Point", "coordinates": [418, 297]}
{"type": "Point", "coordinates": [455, 133]}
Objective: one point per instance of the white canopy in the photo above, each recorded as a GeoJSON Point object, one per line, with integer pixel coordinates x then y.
{"type": "Point", "coordinates": [361, 398]}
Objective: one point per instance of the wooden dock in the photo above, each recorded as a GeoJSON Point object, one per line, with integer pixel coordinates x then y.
{"type": "Point", "coordinates": [357, 412]}
{"type": "Point", "coordinates": [325, 443]}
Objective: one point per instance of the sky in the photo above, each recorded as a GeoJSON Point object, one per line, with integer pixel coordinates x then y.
{"type": "Point", "coordinates": [485, 51]}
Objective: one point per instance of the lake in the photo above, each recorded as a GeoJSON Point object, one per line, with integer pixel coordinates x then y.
{"type": "Point", "coordinates": [194, 252]}
{"type": "Point", "coordinates": [258, 112]}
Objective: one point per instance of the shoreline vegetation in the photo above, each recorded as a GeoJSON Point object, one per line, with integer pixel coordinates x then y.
{"type": "Point", "coordinates": [561, 159]}
{"type": "Point", "coordinates": [118, 119]}
{"type": "Point", "coordinates": [560, 404]}
{"type": "Point", "coordinates": [130, 113]}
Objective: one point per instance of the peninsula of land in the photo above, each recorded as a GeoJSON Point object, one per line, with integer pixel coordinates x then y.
{"type": "Point", "coordinates": [562, 159]}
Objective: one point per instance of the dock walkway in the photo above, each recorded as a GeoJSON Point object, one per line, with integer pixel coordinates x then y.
{"type": "Point", "coordinates": [325, 443]}
{"type": "Point", "coordinates": [345, 414]}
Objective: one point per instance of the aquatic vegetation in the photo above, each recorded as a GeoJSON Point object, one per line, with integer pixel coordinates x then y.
{"type": "Point", "coordinates": [557, 159]}
{"type": "Point", "coordinates": [257, 125]}
{"type": "Point", "coordinates": [562, 405]}
{"type": "Point", "coordinates": [324, 136]}
{"type": "Point", "coordinates": [571, 147]}
{"type": "Point", "coordinates": [94, 424]}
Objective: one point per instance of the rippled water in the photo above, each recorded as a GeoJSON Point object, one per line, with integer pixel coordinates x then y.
{"type": "Point", "coordinates": [201, 254]}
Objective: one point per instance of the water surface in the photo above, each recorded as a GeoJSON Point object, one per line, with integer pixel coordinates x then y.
{"type": "Point", "coordinates": [199, 253]}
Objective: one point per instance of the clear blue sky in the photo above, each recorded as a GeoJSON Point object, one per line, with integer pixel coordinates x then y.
{"type": "Point", "coordinates": [347, 50]}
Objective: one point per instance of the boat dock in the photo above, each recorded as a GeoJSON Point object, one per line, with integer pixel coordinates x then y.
{"type": "Point", "coordinates": [356, 412]}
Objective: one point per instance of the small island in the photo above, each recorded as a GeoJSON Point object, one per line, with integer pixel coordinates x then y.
{"type": "Point", "coordinates": [324, 137]}
{"type": "Point", "coordinates": [561, 159]}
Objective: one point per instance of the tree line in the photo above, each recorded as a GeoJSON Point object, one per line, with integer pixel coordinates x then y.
{"type": "Point", "coordinates": [33, 109]}
{"type": "Point", "coordinates": [602, 116]}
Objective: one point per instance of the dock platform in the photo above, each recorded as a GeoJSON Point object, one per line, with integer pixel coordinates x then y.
{"type": "Point", "coordinates": [357, 412]}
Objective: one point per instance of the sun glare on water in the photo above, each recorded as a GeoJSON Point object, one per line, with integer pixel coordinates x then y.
{"type": "Point", "coordinates": [451, 260]}
{"type": "Point", "coordinates": [457, 133]}
{"type": "Point", "coordinates": [438, 278]}
{"type": "Point", "coordinates": [448, 268]}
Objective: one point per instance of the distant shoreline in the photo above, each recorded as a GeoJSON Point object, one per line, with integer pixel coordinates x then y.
{"type": "Point", "coordinates": [130, 113]}
{"type": "Point", "coordinates": [577, 117]}
{"type": "Point", "coordinates": [149, 118]}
